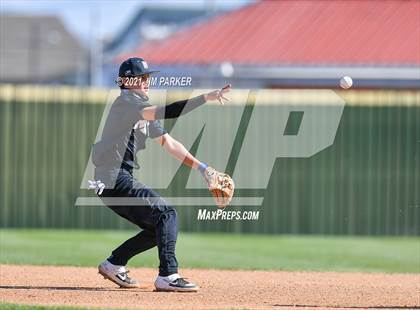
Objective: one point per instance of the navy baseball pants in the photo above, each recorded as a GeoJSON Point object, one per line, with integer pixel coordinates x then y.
{"type": "Point", "coordinates": [156, 218]}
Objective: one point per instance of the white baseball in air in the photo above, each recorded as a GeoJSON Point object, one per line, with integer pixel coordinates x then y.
{"type": "Point", "coordinates": [346, 82]}
{"type": "Point", "coordinates": [226, 68]}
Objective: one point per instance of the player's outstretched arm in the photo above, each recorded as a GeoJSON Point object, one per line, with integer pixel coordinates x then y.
{"type": "Point", "coordinates": [178, 151]}
{"type": "Point", "coordinates": [182, 107]}
{"type": "Point", "coordinates": [220, 184]}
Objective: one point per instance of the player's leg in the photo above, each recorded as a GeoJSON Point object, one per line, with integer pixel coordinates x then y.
{"type": "Point", "coordinates": [166, 227]}
{"type": "Point", "coordinates": [160, 227]}
{"type": "Point", "coordinates": [113, 268]}
{"type": "Point", "coordinates": [165, 220]}
{"type": "Point", "coordinates": [166, 234]}
{"type": "Point", "coordinates": [158, 221]}
{"type": "Point", "coordinates": [143, 241]}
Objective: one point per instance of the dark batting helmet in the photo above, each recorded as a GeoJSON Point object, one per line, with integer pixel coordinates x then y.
{"type": "Point", "coordinates": [134, 67]}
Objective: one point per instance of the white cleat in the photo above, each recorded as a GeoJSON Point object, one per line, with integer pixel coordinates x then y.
{"type": "Point", "coordinates": [117, 274]}
{"type": "Point", "coordinates": [174, 283]}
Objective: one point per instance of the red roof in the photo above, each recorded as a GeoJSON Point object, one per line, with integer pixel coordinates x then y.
{"type": "Point", "coordinates": [299, 32]}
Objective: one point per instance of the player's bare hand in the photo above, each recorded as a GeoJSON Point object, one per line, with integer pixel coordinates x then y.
{"type": "Point", "coordinates": [219, 94]}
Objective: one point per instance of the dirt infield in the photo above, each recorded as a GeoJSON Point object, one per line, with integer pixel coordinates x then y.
{"type": "Point", "coordinates": [73, 286]}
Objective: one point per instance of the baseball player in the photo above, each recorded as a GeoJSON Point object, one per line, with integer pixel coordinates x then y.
{"type": "Point", "coordinates": [131, 121]}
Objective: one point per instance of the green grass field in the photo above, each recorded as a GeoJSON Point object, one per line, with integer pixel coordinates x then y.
{"type": "Point", "coordinates": [222, 251]}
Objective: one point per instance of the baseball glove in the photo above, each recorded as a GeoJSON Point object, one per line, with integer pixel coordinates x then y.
{"type": "Point", "coordinates": [220, 185]}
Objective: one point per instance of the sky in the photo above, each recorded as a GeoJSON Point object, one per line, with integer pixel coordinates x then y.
{"type": "Point", "coordinates": [89, 19]}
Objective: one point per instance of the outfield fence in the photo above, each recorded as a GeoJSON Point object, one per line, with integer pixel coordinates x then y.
{"type": "Point", "coordinates": [367, 182]}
